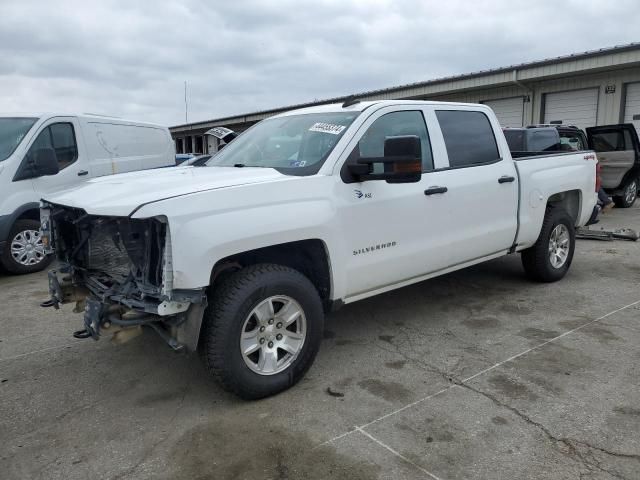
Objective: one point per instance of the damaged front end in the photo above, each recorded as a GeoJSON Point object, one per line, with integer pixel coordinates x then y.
{"type": "Point", "coordinates": [119, 273]}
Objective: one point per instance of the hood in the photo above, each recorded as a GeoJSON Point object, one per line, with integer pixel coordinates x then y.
{"type": "Point", "coordinates": [120, 195]}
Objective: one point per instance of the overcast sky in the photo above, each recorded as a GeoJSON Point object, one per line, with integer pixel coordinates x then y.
{"type": "Point", "coordinates": [131, 59]}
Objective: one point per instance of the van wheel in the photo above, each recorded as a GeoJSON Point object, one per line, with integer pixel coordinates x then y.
{"type": "Point", "coordinates": [261, 330]}
{"type": "Point", "coordinates": [549, 259]}
{"type": "Point", "coordinates": [629, 194]}
{"type": "Point", "coordinates": [24, 252]}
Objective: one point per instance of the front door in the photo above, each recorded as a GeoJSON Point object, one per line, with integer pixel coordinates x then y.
{"type": "Point", "coordinates": [62, 135]}
{"type": "Point", "coordinates": [386, 225]}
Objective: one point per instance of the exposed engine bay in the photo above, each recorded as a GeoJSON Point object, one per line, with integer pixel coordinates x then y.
{"type": "Point", "coordinates": [118, 271]}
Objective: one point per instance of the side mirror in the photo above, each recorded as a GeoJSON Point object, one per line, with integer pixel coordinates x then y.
{"type": "Point", "coordinates": [38, 163]}
{"type": "Point", "coordinates": [402, 162]}
{"type": "Point", "coordinates": [45, 162]}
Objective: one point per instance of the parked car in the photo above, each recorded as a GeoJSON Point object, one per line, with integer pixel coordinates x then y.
{"type": "Point", "coordinates": [44, 153]}
{"type": "Point", "coordinates": [198, 161]}
{"type": "Point", "coordinates": [240, 259]}
{"type": "Point", "coordinates": [618, 152]}
{"type": "Point", "coordinates": [183, 157]}
{"type": "Point", "coordinates": [543, 139]}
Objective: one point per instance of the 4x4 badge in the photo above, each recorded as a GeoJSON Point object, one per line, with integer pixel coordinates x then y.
{"type": "Point", "coordinates": [360, 194]}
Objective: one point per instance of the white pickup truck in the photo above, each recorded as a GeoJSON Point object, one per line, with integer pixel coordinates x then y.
{"type": "Point", "coordinates": [304, 212]}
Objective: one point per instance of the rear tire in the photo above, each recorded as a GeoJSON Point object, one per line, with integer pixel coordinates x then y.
{"type": "Point", "coordinates": [629, 194]}
{"type": "Point", "coordinates": [549, 259]}
{"type": "Point", "coordinates": [251, 306]}
{"type": "Point", "coordinates": [23, 252]}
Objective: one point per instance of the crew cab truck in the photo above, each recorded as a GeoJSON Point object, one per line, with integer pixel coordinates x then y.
{"type": "Point", "coordinates": [544, 139]}
{"type": "Point", "coordinates": [41, 153]}
{"type": "Point", "coordinates": [302, 213]}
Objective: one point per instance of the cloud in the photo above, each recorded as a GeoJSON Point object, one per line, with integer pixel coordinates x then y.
{"type": "Point", "coordinates": [131, 59]}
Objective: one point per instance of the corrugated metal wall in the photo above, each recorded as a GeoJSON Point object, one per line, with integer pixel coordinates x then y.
{"type": "Point", "coordinates": [610, 103]}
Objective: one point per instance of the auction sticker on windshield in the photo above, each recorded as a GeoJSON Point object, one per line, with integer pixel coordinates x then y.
{"type": "Point", "coordinates": [327, 128]}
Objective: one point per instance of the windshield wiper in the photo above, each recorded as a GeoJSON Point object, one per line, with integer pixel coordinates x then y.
{"type": "Point", "coordinates": [239, 165]}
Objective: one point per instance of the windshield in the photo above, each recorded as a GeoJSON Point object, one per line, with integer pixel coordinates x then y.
{"type": "Point", "coordinates": [294, 145]}
{"type": "Point", "coordinates": [12, 131]}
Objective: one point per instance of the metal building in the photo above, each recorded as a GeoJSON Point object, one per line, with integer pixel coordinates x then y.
{"type": "Point", "coordinates": [598, 87]}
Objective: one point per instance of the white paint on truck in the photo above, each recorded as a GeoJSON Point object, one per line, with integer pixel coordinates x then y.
{"type": "Point", "coordinates": [342, 187]}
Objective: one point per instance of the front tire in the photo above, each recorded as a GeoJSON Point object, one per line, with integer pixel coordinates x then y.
{"type": "Point", "coordinates": [24, 252]}
{"type": "Point", "coordinates": [261, 330]}
{"type": "Point", "coordinates": [549, 259]}
{"type": "Point", "coordinates": [629, 194]}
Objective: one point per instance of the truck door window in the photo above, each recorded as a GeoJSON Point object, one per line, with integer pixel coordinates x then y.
{"type": "Point", "coordinates": [468, 137]}
{"type": "Point", "coordinates": [61, 138]}
{"type": "Point", "coordinates": [393, 125]}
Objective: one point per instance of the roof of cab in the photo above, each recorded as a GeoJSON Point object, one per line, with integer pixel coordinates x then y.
{"type": "Point", "coordinates": [360, 106]}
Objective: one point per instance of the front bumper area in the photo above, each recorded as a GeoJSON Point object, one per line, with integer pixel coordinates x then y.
{"type": "Point", "coordinates": [108, 313]}
{"type": "Point", "coordinates": [118, 271]}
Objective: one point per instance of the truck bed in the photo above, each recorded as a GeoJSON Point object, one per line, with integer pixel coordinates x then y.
{"type": "Point", "coordinates": [541, 175]}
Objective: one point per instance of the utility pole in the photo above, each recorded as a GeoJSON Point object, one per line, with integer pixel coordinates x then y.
{"type": "Point", "coordinates": [186, 116]}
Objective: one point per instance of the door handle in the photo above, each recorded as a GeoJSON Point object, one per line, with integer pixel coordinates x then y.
{"type": "Point", "coordinates": [506, 179]}
{"type": "Point", "coordinates": [82, 173]}
{"type": "Point", "coordinates": [435, 190]}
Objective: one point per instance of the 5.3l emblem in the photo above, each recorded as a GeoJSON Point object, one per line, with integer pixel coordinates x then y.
{"type": "Point", "coordinates": [361, 194]}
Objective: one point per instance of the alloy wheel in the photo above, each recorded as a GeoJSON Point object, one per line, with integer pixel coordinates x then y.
{"type": "Point", "coordinates": [273, 335]}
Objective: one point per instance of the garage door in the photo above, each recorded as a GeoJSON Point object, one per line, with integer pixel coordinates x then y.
{"type": "Point", "coordinates": [632, 105]}
{"type": "Point", "coordinates": [575, 107]}
{"type": "Point", "coordinates": [508, 110]}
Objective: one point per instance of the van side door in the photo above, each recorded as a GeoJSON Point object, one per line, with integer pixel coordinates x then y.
{"type": "Point", "coordinates": [62, 134]}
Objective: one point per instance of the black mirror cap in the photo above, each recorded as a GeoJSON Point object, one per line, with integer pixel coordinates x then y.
{"type": "Point", "coordinates": [402, 163]}
{"type": "Point", "coordinates": [405, 155]}
{"type": "Point", "coordinates": [38, 163]}
{"type": "Point", "coordinates": [403, 146]}
{"type": "Point", "coordinates": [45, 162]}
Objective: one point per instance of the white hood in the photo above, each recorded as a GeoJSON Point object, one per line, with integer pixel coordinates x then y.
{"type": "Point", "coordinates": [120, 195]}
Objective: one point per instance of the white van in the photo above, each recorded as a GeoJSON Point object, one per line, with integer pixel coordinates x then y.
{"type": "Point", "coordinates": [44, 153]}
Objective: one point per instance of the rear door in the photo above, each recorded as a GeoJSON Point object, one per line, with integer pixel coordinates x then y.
{"type": "Point", "coordinates": [617, 150]}
{"type": "Point", "coordinates": [481, 202]}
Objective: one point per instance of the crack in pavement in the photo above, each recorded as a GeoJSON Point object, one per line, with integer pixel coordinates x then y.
{"type": "Point", "coordinates": [132, 469]}
{"type": "Point", "coordinates": [569, 443]}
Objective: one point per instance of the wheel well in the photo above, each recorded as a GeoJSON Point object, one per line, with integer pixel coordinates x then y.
{"type": "Point", "coordinates": [309, 257]}
{"type": "Point", "coordinates": [569, 200]}
{"type": "Point", "coordinates": [31, 214]}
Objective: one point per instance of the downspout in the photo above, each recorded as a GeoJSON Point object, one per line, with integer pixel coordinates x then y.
{"type": "Point", "coordinates": [527, 89]}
